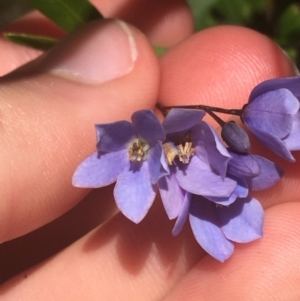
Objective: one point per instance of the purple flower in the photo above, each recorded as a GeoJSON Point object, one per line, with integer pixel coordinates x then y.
{"type": "Point", "coordinates": [272, 115]}
{"type": "Point", "coordinates": [215, 226]}
{"type": "Point", "coordinates": [132, 155]}
{"type": "Point", "coordinates": [196, 154]}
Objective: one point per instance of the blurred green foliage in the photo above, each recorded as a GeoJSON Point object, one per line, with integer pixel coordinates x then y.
{"type": "Point", "coordinates": [67, 14]}
{"type": "Point", "coordinates": [278, 19]}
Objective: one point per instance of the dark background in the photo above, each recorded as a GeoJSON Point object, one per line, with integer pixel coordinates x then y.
{"type": "Point", "coordinates": [12, 9]}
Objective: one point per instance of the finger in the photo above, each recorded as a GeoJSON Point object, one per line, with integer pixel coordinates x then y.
{"type": "Point", "coordinates": [264, 270]}
{"type": "Point", "coordinates": [134, 262]}
{"type": "Point", "coordinates": [28, 250]}
{"type": "Point", "coordinates": [129, 262]}
{"type": "Point", "coordinates": [164, 22]}
{"type": "Point", "coordinates": [196, 72]}
{"type": "Point", "coordinates": [102, 73]}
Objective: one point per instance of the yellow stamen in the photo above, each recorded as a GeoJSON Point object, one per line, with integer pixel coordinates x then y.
{"type": "Point", "coordinates": [170, 151]}
{"type": "Point", "coordinates": [138, 150]}
{"type": "Point", "coordinates": [185, 152]}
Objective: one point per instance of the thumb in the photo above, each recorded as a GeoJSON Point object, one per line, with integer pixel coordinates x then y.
{"type": "Point", "coordinates": [48, 108]}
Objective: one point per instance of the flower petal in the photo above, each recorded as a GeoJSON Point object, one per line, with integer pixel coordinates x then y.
{"type": "Point", "coordinates": [148, 126]}
{"type": "Point", "coordinates": [114, 136]}
{"type": "Point", "coordinates": [243, 165]}
{"type": "Point", "coordinates": [273, 143]}
{"type": "Point", "coordinates": [208, 145]}
{"type": "Point", "coordinates": [179, 120]}
{"type": "Point", "coordinates": [172, 195]}
{"type": "Point", "coordinates": [270, 174]}
{"type": "Point", "coordinates": [242, 221]}
{"type": "Point", "coordinates": [198, 178]}
{"type": "Point", "coordinates": [99, 170]}
{"type": "Point", "coordinates": [241, 191]}
{"type": "Point", "coordinates": [272, 112]}
{"type": "Point", "coordinates": [204, 224]}
{"type": "Point", "coordinates": [290, 83]}
{"type": "Point", "coordinates": [154, 162]}
{"type": "Point", "coordinates": [184, 211]}
{"type": "Point", "coordinates": [292, 141]}
{"type": "Point", "coordinates": [163, 161]}
{"type": "Point", "coordinates": [134, 193]}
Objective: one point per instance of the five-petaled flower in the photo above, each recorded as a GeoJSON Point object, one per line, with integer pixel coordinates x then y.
{"type": "Point", "coordinates": [199, 159]}
{"type": "Point", "coordinates": [272, 115]}
{"type": "Point", "coordinates": [132, 155]}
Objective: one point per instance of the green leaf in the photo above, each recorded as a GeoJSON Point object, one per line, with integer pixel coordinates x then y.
{"type": "Point", "coordinates": [201, 12]}
{"type": "Point", "coordinates": [160, 50]}
{"type": "Point", "coordinates": [67, 14]}
{"type": "Point", "coordinates": [33, 41]}
{"type": "Point", "coordinates": [209, 13]}
{"type": "Point", "coordinates": [288, 26]}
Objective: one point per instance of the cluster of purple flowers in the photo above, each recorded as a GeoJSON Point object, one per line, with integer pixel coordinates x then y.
{"type": "Point", "coordinates": [198, 177]}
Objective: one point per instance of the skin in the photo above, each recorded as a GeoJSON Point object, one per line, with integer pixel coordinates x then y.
{"type": "Point", "coordinates": [64, 243]}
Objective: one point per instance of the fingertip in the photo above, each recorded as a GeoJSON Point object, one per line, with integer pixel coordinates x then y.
{"type": "Point", "coordinates": [164, 22]}
{"type": "Point", "coordinates": [220, 66]}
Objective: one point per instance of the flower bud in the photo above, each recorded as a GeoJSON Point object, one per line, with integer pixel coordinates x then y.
{"type": "Point", "coordinates": [235, 137]}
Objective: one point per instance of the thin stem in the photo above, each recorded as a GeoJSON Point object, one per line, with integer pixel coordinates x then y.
{"type": "Point", "coordinates": [163, 109]}
{"type": "Point", "coordinates": [237, 112]}
{"type": "Point", "coordinates": [216, 118]}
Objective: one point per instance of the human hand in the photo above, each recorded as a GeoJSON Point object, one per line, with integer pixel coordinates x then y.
{"type": "Point", "coordinates": [120, 260]}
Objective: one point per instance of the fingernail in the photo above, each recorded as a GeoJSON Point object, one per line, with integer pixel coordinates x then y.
{"type": "Point", "coordinates": [97, 53]}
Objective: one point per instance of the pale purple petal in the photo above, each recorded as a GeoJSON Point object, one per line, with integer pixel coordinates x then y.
{"type": "Point", "coordinates": [270, 174]}
{"type": "Point", "coordinates": [99, 170]}
{"type": "Point", "coordinates": [209, 146]}
{"type": "Point", "coordinates": [272, 112]}
{"type": "Point", "coordinates": [290, 83]}
{"type": "Point", "coordinates": [164, 163]}
{"type": "Point", "coordinates": [204, 224]}
{"type": "Point", "coordinates": [225, 201]}
{"type": "Point", "coordinates": [179, 120]}
{"type": "Point", "coordinates": [241, 191]}
{"type": "Point", "coordinates": [198, 178]}
{"type": "Point", "coordinates": [172, 195]}
{"type": "Point", "coordinates": [242, 221]}
{"type": "Point", "coordinates": [183, 214]}
{"type": "Point", "coordinates": [134, 193]}
{"type": "Point", "coordinates": [154, 162]}
{"type": "Point", "coordinates": [148, 126]}
{"type": "Point", "coordinates": [292, 141]}
{"type": "Point", "coordinates": [115, 136]}
{"type": "Point", "coordinates": [243, 165]}
{"type": "Point", "coordinates": [273, 143]}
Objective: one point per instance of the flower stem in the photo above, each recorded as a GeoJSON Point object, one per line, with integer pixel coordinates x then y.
{"type": "Point", "coordinates": [165, 109]}
{"type": "Point", "coordinates": [216, 118]}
